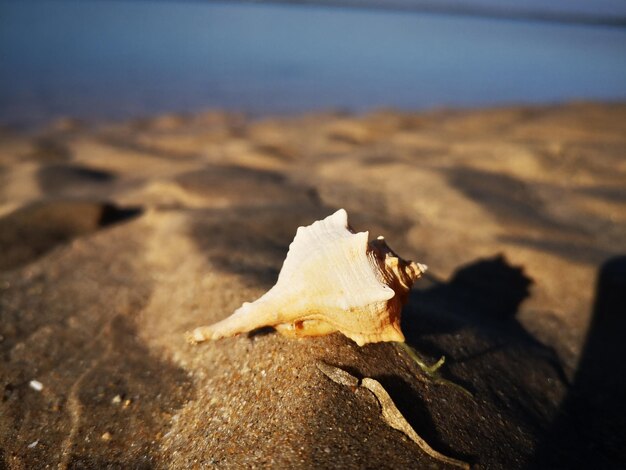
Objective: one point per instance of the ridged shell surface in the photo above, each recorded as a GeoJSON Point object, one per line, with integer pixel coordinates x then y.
{"type": "Point", "coordinates": [332, 280]}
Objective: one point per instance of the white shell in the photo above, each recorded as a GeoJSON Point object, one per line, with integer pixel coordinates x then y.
{"type": "Point", "coordinates": [332, 280]}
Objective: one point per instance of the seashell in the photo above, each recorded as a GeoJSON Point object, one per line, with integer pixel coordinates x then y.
{"type": "Point", "coordinates": [332, 280]}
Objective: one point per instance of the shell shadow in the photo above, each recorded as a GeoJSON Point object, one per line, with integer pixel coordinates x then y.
{"type": "Point", "coordinates": [484, 295]}
{"type": "Point", "coordinates": [488, 292]}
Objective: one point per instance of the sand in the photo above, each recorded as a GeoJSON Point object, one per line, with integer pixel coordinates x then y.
{"type": "Point", "coordinates": [116, 238]}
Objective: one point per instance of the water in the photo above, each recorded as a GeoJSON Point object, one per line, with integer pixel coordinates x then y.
{"type": "Point", "coordinates": [118, 59]}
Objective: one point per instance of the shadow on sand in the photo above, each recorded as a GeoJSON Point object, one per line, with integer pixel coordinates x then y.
{"type": "Point", "coordinates": [590, 428]}
{"type": "Point", "coordinates": [486, 295]}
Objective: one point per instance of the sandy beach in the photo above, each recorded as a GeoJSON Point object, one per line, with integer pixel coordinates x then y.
{"type": "Point", "coordinates": [117, 237]}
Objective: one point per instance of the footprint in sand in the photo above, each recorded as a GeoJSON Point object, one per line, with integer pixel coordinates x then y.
{"type": "Point", "coordinates": [72, 179]}
{"type": "Point", "coordinates": [31, 231]}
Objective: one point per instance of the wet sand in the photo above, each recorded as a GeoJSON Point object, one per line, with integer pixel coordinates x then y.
{"type": "Point", "coordinates": [116, 238]}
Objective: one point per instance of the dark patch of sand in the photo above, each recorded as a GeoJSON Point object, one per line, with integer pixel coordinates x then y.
{"type": "Point", "coordinates": [49, 149]}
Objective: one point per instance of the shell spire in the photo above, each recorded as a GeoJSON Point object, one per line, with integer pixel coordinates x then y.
{"type": "Point", "coordinates": [332, 280]}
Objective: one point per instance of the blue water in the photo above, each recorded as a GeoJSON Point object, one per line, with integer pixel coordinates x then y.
{"type": "Point", "coordinates": [97, 59]}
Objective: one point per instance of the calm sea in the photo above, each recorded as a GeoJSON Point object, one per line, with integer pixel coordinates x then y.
{"type": "Point", "coordinates": [112, 59]}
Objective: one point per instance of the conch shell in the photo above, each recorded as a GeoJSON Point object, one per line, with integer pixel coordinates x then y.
{"type": "Point", "coordinates": [332, 280]}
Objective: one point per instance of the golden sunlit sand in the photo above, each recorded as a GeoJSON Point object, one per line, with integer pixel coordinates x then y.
{"type": "Point", "coordinates": [116, 238]}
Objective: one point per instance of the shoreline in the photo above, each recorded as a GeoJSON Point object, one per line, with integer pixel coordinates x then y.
{"type": "Point", "coordinates": [58, 121]}
{"type": "Point", "coordinates": [209, 56]}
